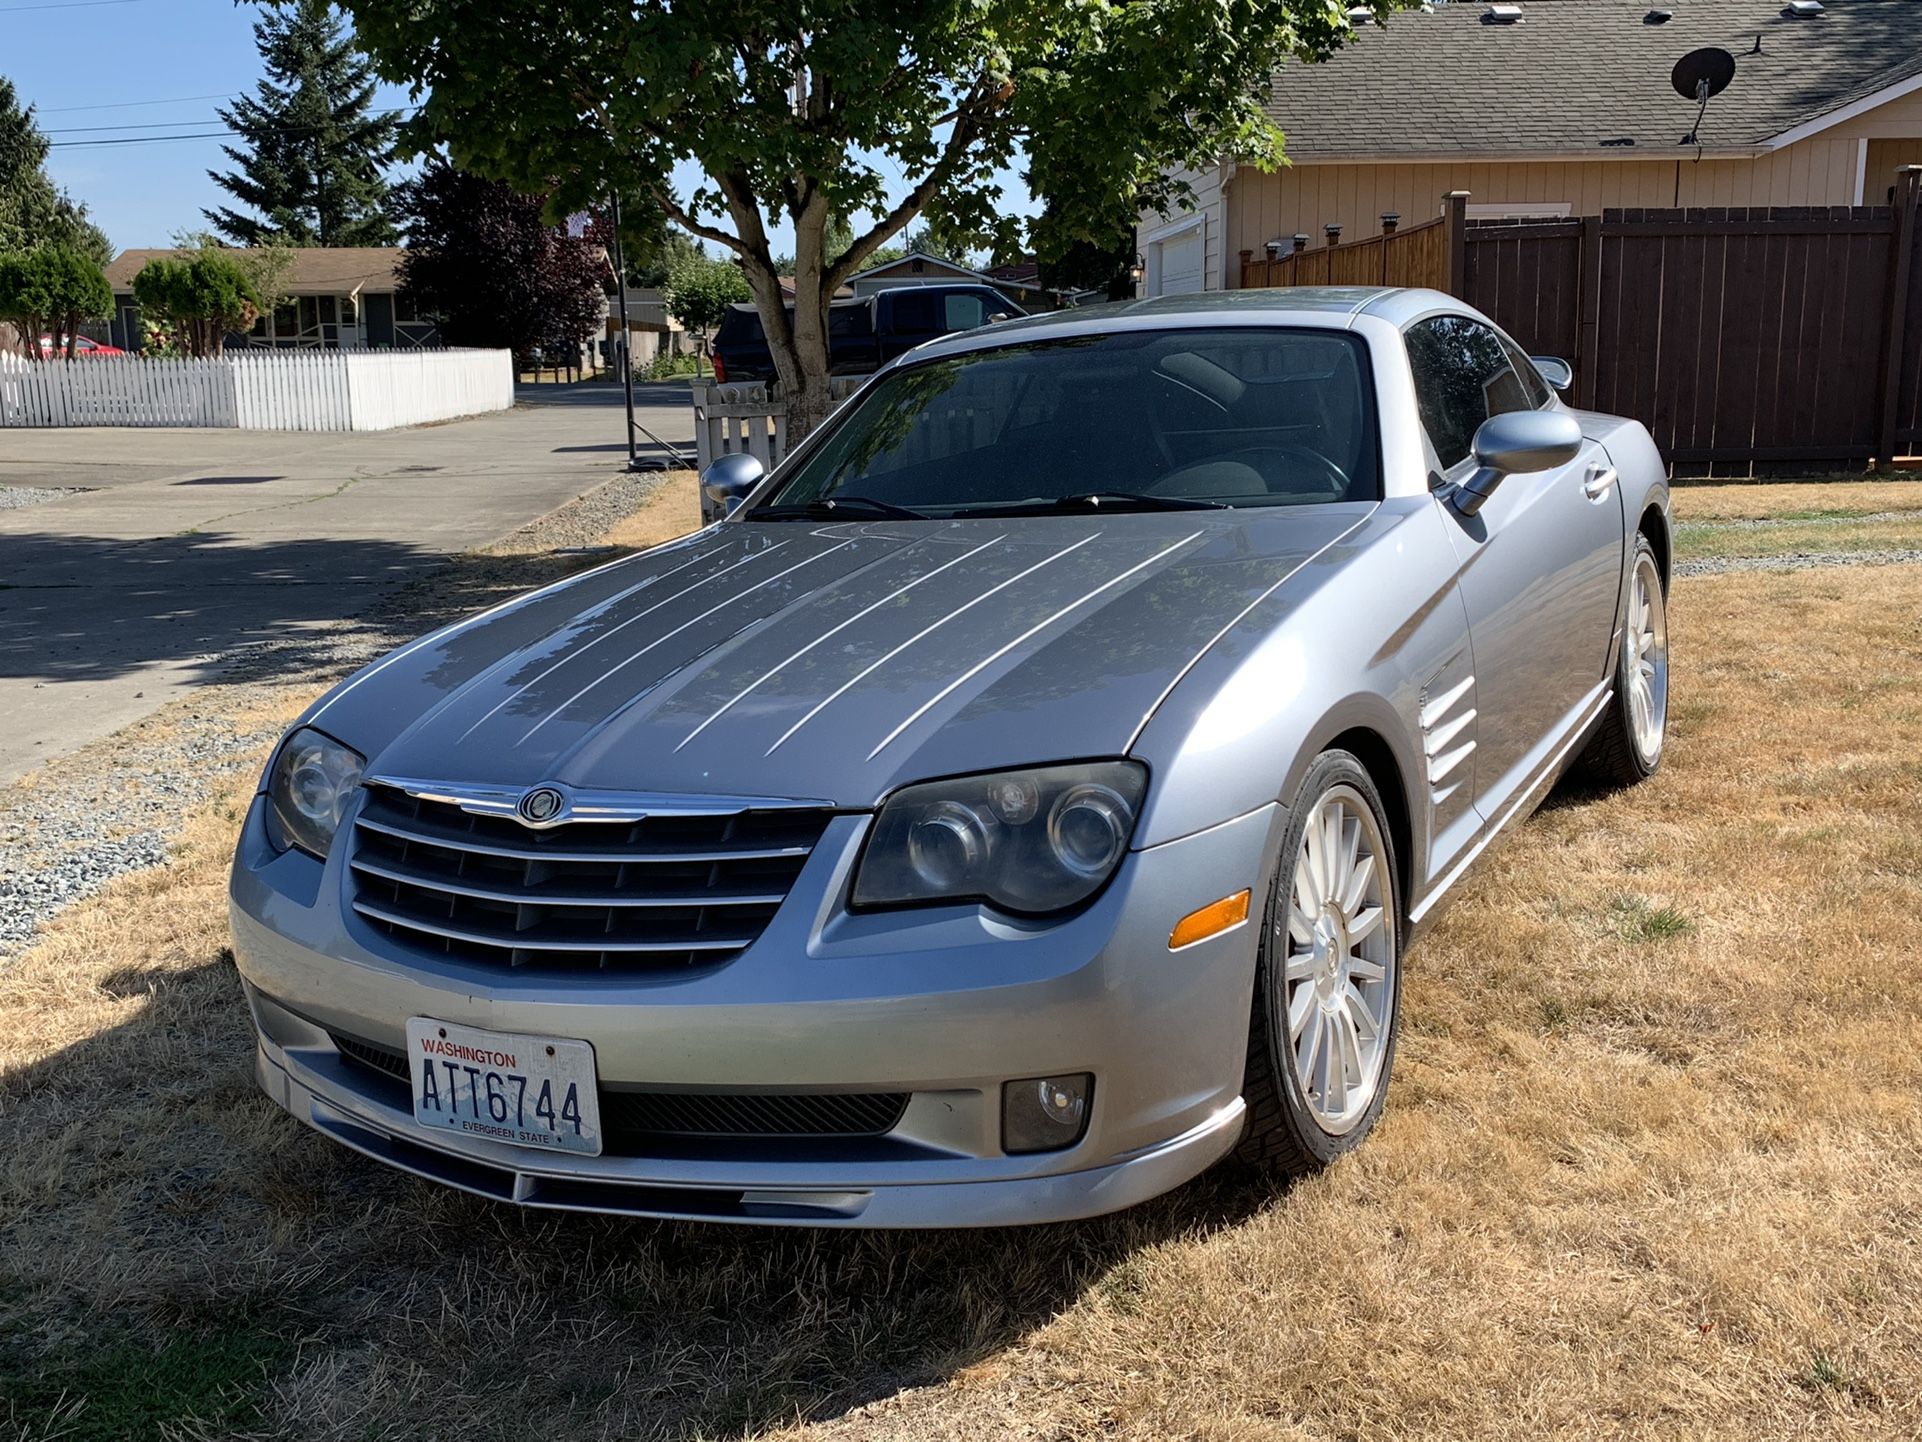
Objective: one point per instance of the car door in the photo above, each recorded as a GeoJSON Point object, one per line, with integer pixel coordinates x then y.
{"type": "Point", "coordinates": [1541, 562]}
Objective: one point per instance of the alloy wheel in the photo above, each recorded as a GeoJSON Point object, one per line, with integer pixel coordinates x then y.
{"type": "Point", "coordinates": [1338, 980]}
{"type": "Point", "coordinates": [1647, 661]}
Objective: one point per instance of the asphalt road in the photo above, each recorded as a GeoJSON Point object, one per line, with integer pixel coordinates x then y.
{"type": "Point", "coordinates": [189, 546]}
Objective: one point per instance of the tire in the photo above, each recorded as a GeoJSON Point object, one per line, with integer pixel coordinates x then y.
{"type": "Point", "coordinates": [1294, 1124]}
{"type": "Point", "coordinates": [1626, 748]}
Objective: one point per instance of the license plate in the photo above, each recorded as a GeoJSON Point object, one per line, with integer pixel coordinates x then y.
{"type": "Point", "coordinates": [528, 1091]}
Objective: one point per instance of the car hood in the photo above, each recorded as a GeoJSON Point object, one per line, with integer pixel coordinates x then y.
{"type": "Point", "coordinates": [830, 661]}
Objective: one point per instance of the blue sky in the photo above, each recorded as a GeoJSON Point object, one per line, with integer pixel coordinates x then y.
{"type": "Point", "coordinates": [84, 64]}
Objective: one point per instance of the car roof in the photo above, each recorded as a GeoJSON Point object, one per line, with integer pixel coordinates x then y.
{"type": "Point", "coordinates": [1327, 307]}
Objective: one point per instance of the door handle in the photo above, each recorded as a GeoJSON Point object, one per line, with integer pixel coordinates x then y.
{"type": "Point", "coordinates": [1600, 481]}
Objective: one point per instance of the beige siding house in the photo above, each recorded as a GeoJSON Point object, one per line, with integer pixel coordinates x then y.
{"type": "Point", "coordinates": [1564, 109]}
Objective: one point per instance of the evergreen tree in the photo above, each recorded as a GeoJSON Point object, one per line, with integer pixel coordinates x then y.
{"type": "Point", "coordinates": [312, 152]}
{"type": "Point", "coordinates": [33, 210]}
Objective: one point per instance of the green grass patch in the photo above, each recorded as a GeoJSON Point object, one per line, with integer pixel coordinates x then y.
{"type": "Point", "coordinates": [114, 1387]}
{"type": "Point", "coordinates": [1638, 921]}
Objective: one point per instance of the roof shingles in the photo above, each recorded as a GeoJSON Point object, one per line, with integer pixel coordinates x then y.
{"type": "Point", "coordinates": [1575, 73]}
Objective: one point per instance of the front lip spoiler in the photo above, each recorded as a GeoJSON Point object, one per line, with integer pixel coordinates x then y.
{"type": "Point", "coordinates": [1065, 1197]}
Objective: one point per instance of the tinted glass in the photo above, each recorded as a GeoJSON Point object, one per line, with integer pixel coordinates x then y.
{"type": "Point", "coordinates": [964, 312]}
{"type": "Point", "coordinates": [914, 312]}
{"type": "Point", "coordinates": [1237, 417]}
{"type": "Point", "coordinates": [1462, 377]}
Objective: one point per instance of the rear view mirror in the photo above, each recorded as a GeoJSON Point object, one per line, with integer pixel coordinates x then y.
{"type": "Point", "coordinates": [728, 479]}
{"type": "Point", "coordinates": [1513, 443]}
{"type": "Point", "coordinates": [1557, 372]}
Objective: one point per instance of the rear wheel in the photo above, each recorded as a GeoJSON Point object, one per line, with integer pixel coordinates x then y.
{"type": "Point", "coordinates": [1328, 980]}
{"type": "Point", "coordinates": [1628, 747]}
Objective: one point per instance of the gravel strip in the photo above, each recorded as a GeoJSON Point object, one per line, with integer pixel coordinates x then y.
{"type": "Point", "coordinates": [1794, 561]}
{"type": "Point", "coordinates": [114, 805]}
{"type": "Point", "coordinates": [12, 498]}
{"type": "Point", "coordinates": [1773, 523]}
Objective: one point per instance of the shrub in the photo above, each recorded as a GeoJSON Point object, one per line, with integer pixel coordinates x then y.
{"type": "Point", "coordinates": [48, 291]}
{"type": "Point", "coordinates": [199, 298]}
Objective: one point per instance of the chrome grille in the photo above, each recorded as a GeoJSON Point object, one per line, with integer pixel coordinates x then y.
{"type": "Point", "coordinates": [655, 893]}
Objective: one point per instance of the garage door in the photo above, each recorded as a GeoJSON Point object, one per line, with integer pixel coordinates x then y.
{"type": "Point", "coordinates": [1181, 264]}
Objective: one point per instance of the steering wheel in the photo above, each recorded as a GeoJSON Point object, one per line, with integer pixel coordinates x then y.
{"type": "Point", "coordinates": [1293, 458]}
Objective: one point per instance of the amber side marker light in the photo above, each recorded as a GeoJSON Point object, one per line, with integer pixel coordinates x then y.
{"type": "Point", "coordinates": [1211, 920]}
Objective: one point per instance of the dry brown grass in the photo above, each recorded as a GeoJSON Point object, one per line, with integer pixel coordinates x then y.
{"type": "Point", "coordinates": [1652, 1167]}
{"type": "Point", "coordinates": [673, 510]}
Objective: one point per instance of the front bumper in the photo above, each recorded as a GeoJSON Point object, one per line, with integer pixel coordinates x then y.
{"type": "Point", "coordinates": [943, 1004]}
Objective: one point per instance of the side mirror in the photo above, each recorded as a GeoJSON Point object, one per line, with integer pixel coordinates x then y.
{"type": "Point", "coordinates": [728, 480]}
{"type": "Point", "coordinates": [1557, 372]}
{"type": "Point", "coordinates": [1516, 442]}
{"type": "Point", "coordinates": [998, 317]}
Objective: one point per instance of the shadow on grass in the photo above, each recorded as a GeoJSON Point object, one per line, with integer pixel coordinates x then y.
{"type": "Point", "coordinates": [164, 1211]}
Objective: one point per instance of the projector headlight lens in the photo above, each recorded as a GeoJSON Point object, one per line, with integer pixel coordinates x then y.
{"type": "Point", "coordinates": [1032, 842]}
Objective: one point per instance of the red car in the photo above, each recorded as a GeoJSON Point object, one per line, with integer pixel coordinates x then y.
{"type": "Point", "coordinates": [83, 349]}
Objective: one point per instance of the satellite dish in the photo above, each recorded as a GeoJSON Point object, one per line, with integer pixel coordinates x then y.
{"type": "Point", "coordinates": [1709, 67]}
{"type": "Point", "coordinates": [1701, 75]}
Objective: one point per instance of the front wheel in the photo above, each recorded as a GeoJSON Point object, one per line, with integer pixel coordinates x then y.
{"type": "Point", "coordinates": [1328, 979]}
{"type": "Point", "coordinates": [1628, 746]}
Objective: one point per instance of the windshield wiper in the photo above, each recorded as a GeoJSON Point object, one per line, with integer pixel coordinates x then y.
{"type": "Point", "coordinates": [1099, 501]}
{"type": "Point", "coordinates": [837, 508]}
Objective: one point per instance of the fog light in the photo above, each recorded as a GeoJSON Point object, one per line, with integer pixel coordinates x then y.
{"type": "Point", "coordinates": [1044, 1114]}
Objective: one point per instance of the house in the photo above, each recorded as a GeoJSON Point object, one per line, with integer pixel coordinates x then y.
{"type": "Point", "coordinates": [334, 296]}
{"type": "Point", "coordinates": [1562, 108]}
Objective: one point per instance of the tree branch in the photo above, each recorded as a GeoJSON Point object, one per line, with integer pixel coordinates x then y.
{"type": "Point", "coordinates": [966, 130]}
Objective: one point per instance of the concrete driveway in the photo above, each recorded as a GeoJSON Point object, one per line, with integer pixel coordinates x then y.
{"type": "Point", "coordinates": [190, 545]}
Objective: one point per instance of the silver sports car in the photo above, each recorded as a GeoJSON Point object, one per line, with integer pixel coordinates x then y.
{"type": "Point", "coordinates": [1022, 798]}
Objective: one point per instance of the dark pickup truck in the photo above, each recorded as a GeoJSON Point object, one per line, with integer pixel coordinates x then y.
{"type": "Point", "coordinates": [863, 334]}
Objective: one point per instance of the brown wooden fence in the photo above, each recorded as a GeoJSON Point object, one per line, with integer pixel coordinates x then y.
{"type": "Point", "coordinates": [1417, 256]}
{"type": "Point", "coordinates": [1747, 340]}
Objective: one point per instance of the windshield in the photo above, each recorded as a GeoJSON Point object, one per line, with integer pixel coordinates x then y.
{"type": "Point", "coordinates": [1141, 420]}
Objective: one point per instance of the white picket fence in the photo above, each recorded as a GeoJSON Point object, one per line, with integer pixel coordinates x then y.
{"type": "Point", "coordinates": [318, 390]}
{"type": "Point", "coordinates": [739, 416]}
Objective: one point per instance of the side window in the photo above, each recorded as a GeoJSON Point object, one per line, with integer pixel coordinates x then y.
{"type": "Point", "coordinates": [913, 312]}
{"type": "Point", "coordinates": [1533, 386]}
{"type": "Point", "coordinates": [963, 312]}
{"type": "Point", "coordinates": [1462, 377]}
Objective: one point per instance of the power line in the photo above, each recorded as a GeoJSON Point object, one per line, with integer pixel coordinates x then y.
{"type": "Point", "coordinates": [143, 139]}
{"type": "Point", "coordinates": [220, 134]}
{"type": "Point", "coordinates": [132, 104]}
{"type": "Point", "coordinates": [208, 120]}
{"type": "Point", "coordinates": [68, 5]}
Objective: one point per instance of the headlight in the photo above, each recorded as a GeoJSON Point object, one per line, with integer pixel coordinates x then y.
{"type": "Point", "coordinates": [313, 781]}
{"type": "Point", "coordinates": [1026, 841]}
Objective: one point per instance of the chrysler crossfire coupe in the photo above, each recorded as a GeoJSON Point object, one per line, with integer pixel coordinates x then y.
{"type": "Point", "coordinates": [1018, 800]}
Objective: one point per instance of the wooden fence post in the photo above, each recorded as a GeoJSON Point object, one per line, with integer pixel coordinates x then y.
{"type": "Point", "coordinates": [1908, 197]}
{"type": "Point", "coordinates": [1456, 211]}
{"type": "Point", "coordinates": [1588, 316]}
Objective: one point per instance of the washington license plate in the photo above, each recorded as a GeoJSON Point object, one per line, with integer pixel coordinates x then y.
{"type": "Point", "coordinates": [529, 1091]}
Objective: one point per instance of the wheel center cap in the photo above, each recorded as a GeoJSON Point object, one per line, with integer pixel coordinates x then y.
{"type": "Point", "coordinates": [1331, 953]}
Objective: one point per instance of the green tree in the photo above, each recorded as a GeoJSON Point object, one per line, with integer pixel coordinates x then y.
{"type": "Point", "coordinates": [33, 210]}
{"type": "Point", "coordinates": [489, 264]}
{"type": "Point", "coordinates": [48, 291]}
{"type": "Point", "coordinates": [198, 297]}
{"type": "Point", "coordinates": [651, 258]}
{"type": "Point", "coordinates": [796, 110]}
{"type": "Point", "coordinates": [313, 153]}
{"type": "Point", "coordinates": [701, 288]}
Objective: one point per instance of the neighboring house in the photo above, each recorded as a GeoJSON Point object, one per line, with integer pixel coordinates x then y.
{"type": "Point", "coordinates": [1563, 108]}
{"type": "Point", "coordinates": [335, 296]}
